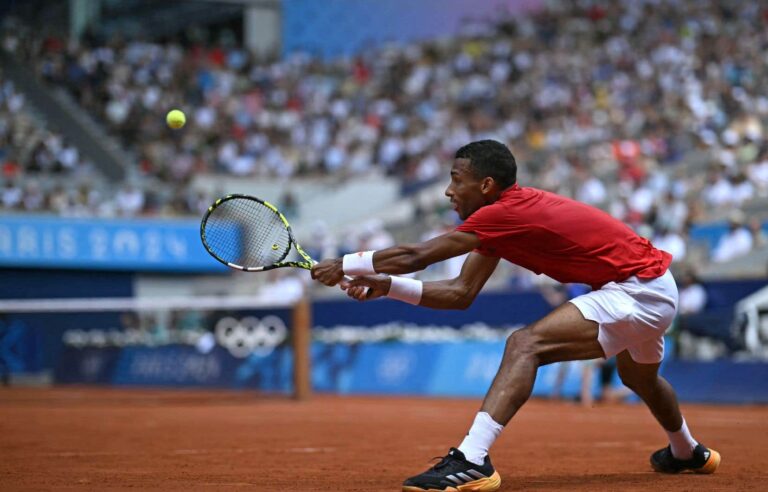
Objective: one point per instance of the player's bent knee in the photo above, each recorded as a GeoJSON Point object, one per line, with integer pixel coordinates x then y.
{"type": "Point", "coordinates": [520, 342]}
{"type": "Point", "coordinates": [639, 383]}
{"type": "Point", "coordinates": [628, 382]}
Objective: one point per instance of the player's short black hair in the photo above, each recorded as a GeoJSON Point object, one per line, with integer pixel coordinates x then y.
{"type": "Point", "coordinates": [489, 158]}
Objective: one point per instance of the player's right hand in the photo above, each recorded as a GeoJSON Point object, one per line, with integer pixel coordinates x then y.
{"type": "Point", "coordinates": [365, 288]}
{"type": "Point", "coordinates": [329, 272]}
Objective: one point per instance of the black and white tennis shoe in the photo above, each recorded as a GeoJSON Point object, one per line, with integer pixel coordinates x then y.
{"type": "Point", "coordinates": [455, 473]}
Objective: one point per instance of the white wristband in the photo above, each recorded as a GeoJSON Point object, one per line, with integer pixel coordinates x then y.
{"type": "Point", "coordinates": [358, 263]}
{"type": "Point", "coordinates": [405, 289]}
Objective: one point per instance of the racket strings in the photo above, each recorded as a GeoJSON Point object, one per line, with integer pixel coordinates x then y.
{"type": "Point", "coordinates": [247, 233]}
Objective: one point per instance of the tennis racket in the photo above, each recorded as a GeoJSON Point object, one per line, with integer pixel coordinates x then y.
{"type": "Point", "coordinates": [250, 234]}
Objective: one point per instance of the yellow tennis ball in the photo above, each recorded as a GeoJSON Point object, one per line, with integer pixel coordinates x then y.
{"type": "Point", "coordinates": [175, 119]}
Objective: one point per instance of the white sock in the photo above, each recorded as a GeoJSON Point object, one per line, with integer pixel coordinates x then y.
{"type": "Point", "coordinates": [480, 437]}
{"type": "Point", "coordinates": [682, 443]}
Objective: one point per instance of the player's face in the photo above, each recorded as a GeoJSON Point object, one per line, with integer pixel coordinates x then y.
{"type": "Point", "coordinates": [465, 190]}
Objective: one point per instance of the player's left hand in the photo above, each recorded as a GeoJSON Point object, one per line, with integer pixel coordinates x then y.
{"type": "Point", "coordinates": [328, 272]}
{"type": "Point", "coordinates": [367, 287]}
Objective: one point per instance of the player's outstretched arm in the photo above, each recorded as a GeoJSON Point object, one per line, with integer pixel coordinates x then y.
{"type": "Point", "coordinates": [456, 293]}
{"type": "Point", "coordinates": [405, 258]}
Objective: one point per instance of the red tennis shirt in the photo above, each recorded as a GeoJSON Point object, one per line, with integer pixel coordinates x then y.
{"type": "Point", "coordinates": [565, 239]}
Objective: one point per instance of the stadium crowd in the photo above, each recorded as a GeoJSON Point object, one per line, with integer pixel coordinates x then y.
{"type": "Point", "coordinates": [652, 110]}
{"type": "Point", "coordinates": [36, 161]}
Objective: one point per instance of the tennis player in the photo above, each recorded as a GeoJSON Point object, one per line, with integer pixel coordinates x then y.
{"type": "Point", "coordinates": [632, 303]}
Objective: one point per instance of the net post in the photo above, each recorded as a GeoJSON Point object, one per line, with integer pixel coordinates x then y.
{"type": "Point", "coordinates": [302, 334]}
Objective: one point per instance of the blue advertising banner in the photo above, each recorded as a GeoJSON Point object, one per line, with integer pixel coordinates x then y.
{"type": "Point", "coordinates": [224, 348]}
{"type": "Point", "coordinates": [53, 242]}
{"type": "Point", "coordinates": [380, 347]}
{"type": "Point", "coordinates": [446, 369]}
{"type": "Point", "coordinates": [176, 366]}
{"type": "Point", "coordinates": [451, 369]}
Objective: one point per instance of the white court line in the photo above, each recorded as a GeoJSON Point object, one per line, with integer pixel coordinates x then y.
{"type": "Point", "coordinates": [432, 447]}
{"type": "Point", "coordinates": [78, 454]}
{"type": "Point", "coordinates": [700, 419]}
{"type": "Point", "coordinates": [311, 450]}
{"type": "Point", "coordinates": [249, 450]}
{"type": "Point", "coordinates": [214, 451]}
{"type": "Point", "coordinates": [617, 444]}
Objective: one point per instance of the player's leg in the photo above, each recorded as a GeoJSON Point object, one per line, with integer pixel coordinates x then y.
{"type": "Point", "coordinates": [599, 324]}
{"type": "Point", "coordinates": [653, 389]}
{"type": "Point", "coordinates": [562, 335]}
{"type": "Point", "coordinates": [683, 453]}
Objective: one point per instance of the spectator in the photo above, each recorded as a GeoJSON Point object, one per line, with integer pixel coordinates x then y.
{"type": "Point", "coordinates": [719, 190]}
{"type": "Point", "coordinates": [670, 213]}
{"type": "Point", "coordinates": [130, 200]}
{"type": "Point", "coordinates": [758, 173]}
{"type": "Point", "coordinates": [11, 196]}
{"type": "Point", "coordinates": [693, 297]}
{"type": "Point", "coordinates": [671, 242]}
{"type": "Point", "coordinates": [759, 236]}
{"type": "Point", "coordinates": [374, 236]}
{"type": "Point", "coordinates": [742, 189]}
{"type": "Point", "coordinates": [34, 198]}
{"type": "Point", "coordinates": [590, 189]}
{"type": "Point", "coordinates": [736, 242]}
{"type": "Point", "coordinates": [692, 326]}
{"type": "Point", "coordinates": [283, 286]}
{"type": "Point", "coordinates": [288, 206]}
{"type": "Point", "coordinates": [321, 243]}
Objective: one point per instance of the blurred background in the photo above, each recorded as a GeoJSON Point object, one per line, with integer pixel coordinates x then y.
{"type": "Point", "coordinates": [346, 115]}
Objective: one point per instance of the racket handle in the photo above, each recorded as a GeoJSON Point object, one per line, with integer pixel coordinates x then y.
{"type": "Point", "coordinates": [368, 290]}
{"type": "Point", "coordinates": [346, 277]}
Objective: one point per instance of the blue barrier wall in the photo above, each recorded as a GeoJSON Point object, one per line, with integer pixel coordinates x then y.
{"type": "Point", "coordinates": [432, 369]}
{"type": "Point", "coordinates": [721, 381]}
{"type": "Point", "coordinates": [724, 294]}
{"type": "Point", "coordinates": [496, 309]}
{"type": "Point", "coordinates": [32, 342]}
{"type": "Point", "coordinates": [467, 369]}
{"type": "Point", "coordinates": [28, 283]}
{"type": "Point", "coordinates": [175, 366]}
{"type": "Point", "coordinates": [149, 245]}
{"type": "Point", "coordinates": [446, 369]}
{"type": "Point", "coordinates": [512, 309]}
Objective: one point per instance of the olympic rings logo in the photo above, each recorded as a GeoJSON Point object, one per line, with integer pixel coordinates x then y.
{"type": "Point", "coordinates": [250, 335]}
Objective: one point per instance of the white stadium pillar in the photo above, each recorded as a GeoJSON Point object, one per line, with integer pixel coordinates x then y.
{"type": "Point", "coordinates": [262, 26]}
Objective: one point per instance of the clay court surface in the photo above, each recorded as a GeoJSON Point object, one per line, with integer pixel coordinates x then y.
{"type": "Point", "coordinates": [109, 439]}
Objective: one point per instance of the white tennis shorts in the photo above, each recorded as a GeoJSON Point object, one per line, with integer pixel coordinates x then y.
{"type": "Point", "coordinates": [632, 315]}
